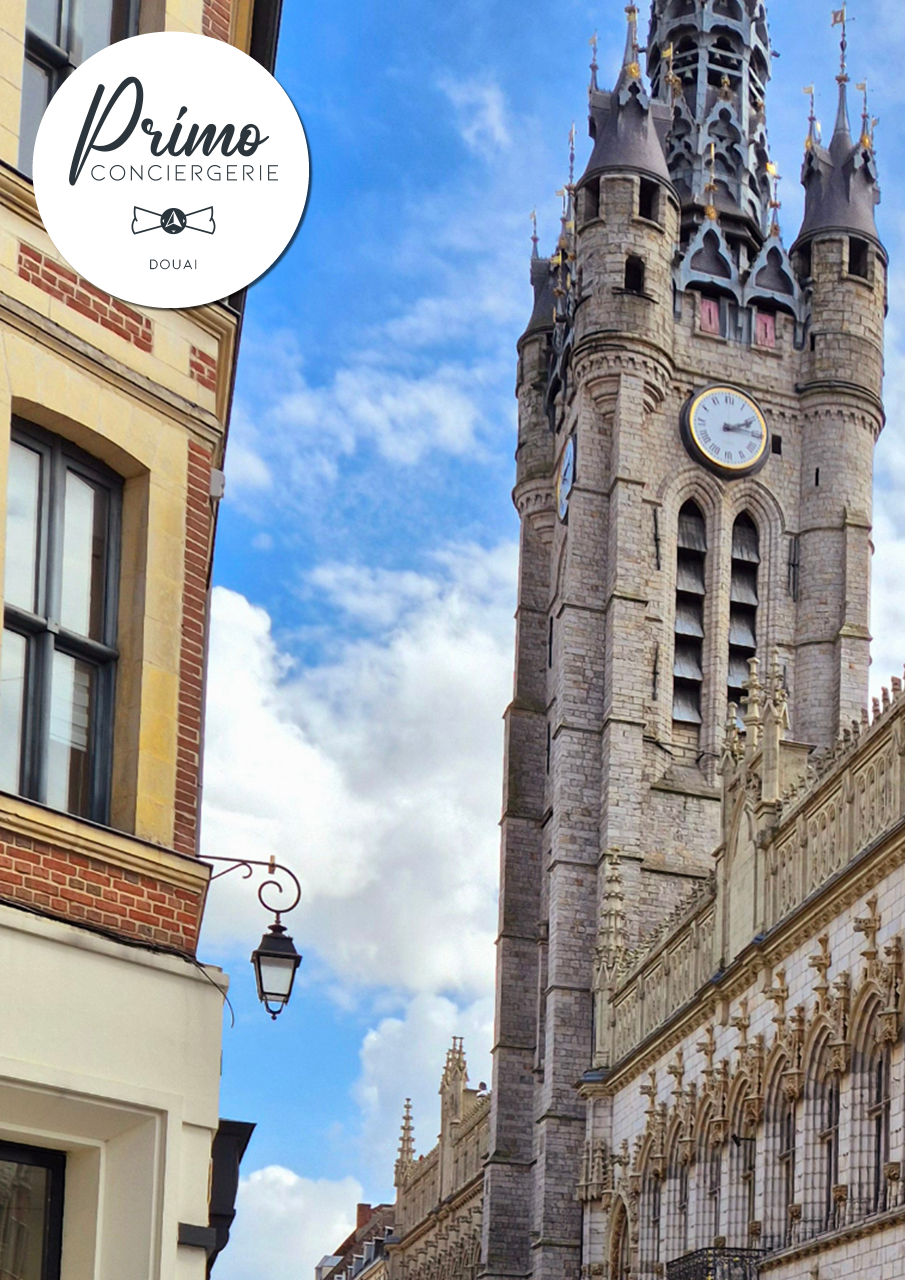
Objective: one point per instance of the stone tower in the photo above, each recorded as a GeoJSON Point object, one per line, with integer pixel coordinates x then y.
{"type": "Point", "coordinates": [669, 533]}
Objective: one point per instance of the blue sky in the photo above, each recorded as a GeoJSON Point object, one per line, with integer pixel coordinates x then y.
{"type": "Point", "coordinates": [365, 570]}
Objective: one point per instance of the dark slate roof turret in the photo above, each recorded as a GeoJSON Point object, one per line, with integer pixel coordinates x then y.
{"type": "Point", "coordinates": [840, 181]}
{"type": "Point", "coordinates": [543, 283]}
{"type": "Point", "coordinates": [628, 129]}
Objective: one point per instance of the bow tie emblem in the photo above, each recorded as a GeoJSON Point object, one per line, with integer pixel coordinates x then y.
{"type": "Point", "coordinates": [173, 221]}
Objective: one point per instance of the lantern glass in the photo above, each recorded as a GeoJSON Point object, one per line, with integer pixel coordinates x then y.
{"type": "Point", "coordinates": [275, 963]}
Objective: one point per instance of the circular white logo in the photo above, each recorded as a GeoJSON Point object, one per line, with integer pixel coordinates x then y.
{"type": "Point", "coordinates": [171, 170]}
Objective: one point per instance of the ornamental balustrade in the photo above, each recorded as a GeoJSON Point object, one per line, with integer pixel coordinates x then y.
{"type": "Point", "coordinates": [716, 1264]}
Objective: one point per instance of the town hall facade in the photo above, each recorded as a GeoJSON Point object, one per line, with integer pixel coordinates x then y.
{"type": "Point", "coordinates": [698, 1062]}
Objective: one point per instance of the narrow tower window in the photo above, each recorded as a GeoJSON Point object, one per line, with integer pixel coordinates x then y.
{"type": "Point", "coordinates": [743, 600]}
{"type": "Point", "coordinates": [634, 275]}
{"type": "Point", "coordinates": [688, 671]}
{"type": "Point", "coordinates": [858, 258]}
{"type": "Point", "coordinates": [648, 200]}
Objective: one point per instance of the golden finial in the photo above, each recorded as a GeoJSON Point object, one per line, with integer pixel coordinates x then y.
{"type": "Point", "coordinates": [775, 203]}
{"type": "Point", "coordinates": [672, 80]}
{"type": "Point", "coordinates": [867, 127]}
{"type": "Point", "coordinates": [633, 68]}
{"type": "Point", "coordinates": [594, 68]}
{"type": "Point", "coordinates": [711, 187]}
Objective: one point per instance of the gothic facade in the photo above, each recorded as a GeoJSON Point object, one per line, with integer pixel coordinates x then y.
{"type": "Point", "coordinates": [699, 1067]}
{"type": "Point", "coordinates": [698, 1064]}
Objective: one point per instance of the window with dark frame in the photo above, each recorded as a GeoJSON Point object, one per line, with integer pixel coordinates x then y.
{"type": "Point", "coordinates": [743, 604]}
{"type": "Point", "coordinates": [31, 1212]}
{"type": "Point", "coordinates": [58, 656]}
{"type": "Point", "coordinates": [829, 1138]}
{"type": "Point", "coordinates": [59, 36]}
{"type": "Point", "coordinates": [786, 1169]}
{"type": "Point", "coordinates": [878, 1113]}
{"type": "Point", "coordinates": [688, 666]}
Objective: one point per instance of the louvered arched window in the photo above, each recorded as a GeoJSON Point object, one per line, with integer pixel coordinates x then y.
{"type": "Point", "coordinates": [688, 669]}
{"type": "Point", "coordinates": [743, 602]}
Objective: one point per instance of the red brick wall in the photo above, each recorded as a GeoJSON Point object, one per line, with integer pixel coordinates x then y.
{"type": "Point", "coordinates": [215, 19]}
{"type": "Point", "coordinates": [191, 661]}
{"type": "Point", "coordinates": [85, 298]}
{"type": "Point", "coordinates": [92, 892]}
{"type": "Point", "coordinates": [203, 368]}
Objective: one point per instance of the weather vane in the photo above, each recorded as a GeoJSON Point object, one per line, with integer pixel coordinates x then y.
{"type": "Point", "coordinates": [841, 18]}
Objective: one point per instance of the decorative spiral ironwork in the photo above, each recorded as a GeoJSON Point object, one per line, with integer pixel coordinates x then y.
{"type": "Point", "coordinates": [247, 866]}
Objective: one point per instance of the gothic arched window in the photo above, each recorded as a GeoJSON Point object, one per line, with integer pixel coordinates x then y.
{"type": "Point", "coordinates": [828, 1111]}
{"type": "Point", "coordinates": [621, 1268]}
{"type": "Point", "coordinates": [743, 602]}
{"type": "Point", "coordinates": [653, 1207]}
{"type": "Point", "coordinates": [786, 1169]}
{"type": "Point", "coordinates": [878, 1132]}
{"type": "Point", "coordinates": [688, 669]}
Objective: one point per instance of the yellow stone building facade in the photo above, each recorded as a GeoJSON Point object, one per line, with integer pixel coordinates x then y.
{"type": "Point", "coordinates": [113, 423]}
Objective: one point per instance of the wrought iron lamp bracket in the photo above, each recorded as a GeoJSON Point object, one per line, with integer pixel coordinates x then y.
{"type": "Point", "coordinates": [274, 869]}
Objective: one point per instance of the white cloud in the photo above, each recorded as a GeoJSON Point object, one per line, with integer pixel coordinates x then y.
{"type": "Point", "coordinates": [376, 777]}
{"type": "Point", "coordinates": [407, 1053]}
{"type": "Point", "coordinates": [285, 1224]}
{"type": "Point", "coordinates": [480, 114]}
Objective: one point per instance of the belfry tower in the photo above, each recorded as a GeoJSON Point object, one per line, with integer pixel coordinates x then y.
{"type": "Point", "coordinates": [698, 409]}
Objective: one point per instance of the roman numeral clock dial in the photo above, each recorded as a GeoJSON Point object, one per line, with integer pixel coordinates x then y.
{"type": "Point", "coordinates": [725, 430]}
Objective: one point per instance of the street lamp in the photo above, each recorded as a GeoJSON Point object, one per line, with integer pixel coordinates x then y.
{"type": "Point", "coordinates": [276, 959]}
{"type": "Point", "coordinates": [275, 963]}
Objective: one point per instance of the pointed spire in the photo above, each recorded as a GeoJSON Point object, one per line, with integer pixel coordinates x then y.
{"type": "Point", "coordinates": [627, 128]}
{"type": "Point", "coordinates": [843, 129]}
{"type": "Point", "coordinates": [594, 67]}
{"type": "Point", "coordinates": [614, 940]}
{"type": "Point", "coordinates": [406, 1155]}
{"type": "Point", "coordinates": [813, 138]}
{"type": "Point", "coordinates": [534, 239]}
{"type": "Point", "coordinates": [631, 67]}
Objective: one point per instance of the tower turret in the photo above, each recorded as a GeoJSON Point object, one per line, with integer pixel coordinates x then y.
{"type": "Point", "coordinates": [840, 259]}
{"type": "Point", "coordinates": [626, 210]}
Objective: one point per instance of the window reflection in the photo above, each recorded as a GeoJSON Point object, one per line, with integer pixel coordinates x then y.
{"type": "Point", "coordinates": [12, 711]}
{"type": "Point", "coordinates": [71, 711]}
{"type": "Point", "coordinates": [23, 505]}
{"type": "Point", "coordinates": [23, 1216]}
{"type": "Point", "coordinates": [84, 558]}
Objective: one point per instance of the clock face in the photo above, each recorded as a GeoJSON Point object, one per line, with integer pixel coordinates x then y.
{"type": "Point", "coordinates": [566, 478]}
{"type": "Point", "coordinates": [726, 431]}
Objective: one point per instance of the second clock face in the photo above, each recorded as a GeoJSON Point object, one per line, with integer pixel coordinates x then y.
{"type": "Point", "coordinates": [725, 430]}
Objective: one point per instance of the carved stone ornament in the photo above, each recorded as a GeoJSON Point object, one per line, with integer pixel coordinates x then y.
{"type": "Point", "coordinates": [840, 1193]}
{"type": "Point", "coordinates": [606, 1201]}
{"type": "Point", "coordinates": [795, 1213]}
{"type": "Point", "coordinates": [893, 1171]}
{"type": "Point", "coordinates": [686, 1151]}
{"type": "Point", "coordinates": [754, 1230]}
{"type": "Point", "coordinates": [839, 1056]}
{"type": "Point", "coordinates": [719, 1242]}
{"type": "Point", "coordinates": [718, 1131]}
{"type": "Point", "coordinates": [792, 1084]}
{"type": "Point", "coordinates": [753, 1109]}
